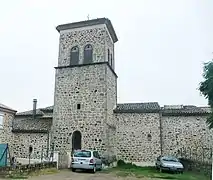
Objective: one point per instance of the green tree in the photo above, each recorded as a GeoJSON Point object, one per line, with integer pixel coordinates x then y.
{"type": "Point", "coordinates": [206, 88]}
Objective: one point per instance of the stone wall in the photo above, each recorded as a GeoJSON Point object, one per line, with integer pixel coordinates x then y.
{"type": "Point", "coordinates": [110, 126]}
{"type": "Point", "coordinates": [26, 132]}
{"type": "Point", "coordinates": [189, 132]}
{"type": "Point", "coordinates": [138, 136]}
{"type": "Point", "coordinates": [23, 170]}
{"type": "Point", "coordinates": [97, 36]}
{"type": "Point", "coordinates": [132, 136]}
{"type": "Point", "coordinates": [110, 57]}
{"type": "Point", "coordinates": [86, 86]}
{"type": "Point", "coordinates": [81, 93]}
{"type": "Point", "coordinates": [19, 142]}
{"type": "Point", "coordinates": [6, 132]}
{"type": "Point", "coordinates": [22, 141]}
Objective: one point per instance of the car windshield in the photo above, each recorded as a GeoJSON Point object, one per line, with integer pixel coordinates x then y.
{"type": "Point", "coordinates": [82, 154]}
{"type": "Point", "coordinates": [170, 158]}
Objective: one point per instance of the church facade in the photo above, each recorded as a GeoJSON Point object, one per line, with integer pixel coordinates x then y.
{"type": "Point", "coordinates": [86, 115]}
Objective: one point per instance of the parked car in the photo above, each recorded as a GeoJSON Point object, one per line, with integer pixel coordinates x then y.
{"type": "Point", "coordinates": [86, 160]}
{"type": "Point", "coordinates": [169, 163]}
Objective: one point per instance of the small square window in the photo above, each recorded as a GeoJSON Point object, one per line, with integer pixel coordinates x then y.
{"type": "Point", "coordinates": [78, 106]}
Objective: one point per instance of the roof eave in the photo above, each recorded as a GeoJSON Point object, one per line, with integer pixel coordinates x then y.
{"type": "Point", "coordinates": [92, 22]}
{"type": "Point", "coordinates": [27, 115]}
{"type": "Point", "coordinates": [8, 110]}
{"type": "Point", "coordinates": [29, 131]}
{"type": "Point", "coordinates": [186, 114]}
{"type": "Point", "coordinates": [136, 111]}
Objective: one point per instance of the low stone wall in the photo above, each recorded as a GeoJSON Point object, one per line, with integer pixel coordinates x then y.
{"type": "Point", "coordinates": [26, 169]}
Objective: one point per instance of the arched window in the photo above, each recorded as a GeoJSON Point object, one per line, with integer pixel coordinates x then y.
{"type": "Point", "coordinates": [108, 56]}
{"type": "Point", "coordinates": [88, 54]}
{"type": "Point", "coordinates": [74, 57]}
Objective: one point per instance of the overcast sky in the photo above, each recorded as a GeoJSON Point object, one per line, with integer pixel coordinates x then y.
{"type": "Point", "coordinates": [159, 56]}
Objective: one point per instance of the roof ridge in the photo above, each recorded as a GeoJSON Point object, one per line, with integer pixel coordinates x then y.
{"type": "Point", "coordinates": [139, 102]}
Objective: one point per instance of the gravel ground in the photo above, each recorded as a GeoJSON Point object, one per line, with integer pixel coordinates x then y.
{"type": "Point", "coordinates": [68, 175]}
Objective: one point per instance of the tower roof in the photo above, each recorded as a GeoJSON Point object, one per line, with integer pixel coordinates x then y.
{"type": "Point", "coordinates": [91, 22]}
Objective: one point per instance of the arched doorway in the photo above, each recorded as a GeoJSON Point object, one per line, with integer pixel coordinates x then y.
{"type": "Point", "coordinates": [76, 140]}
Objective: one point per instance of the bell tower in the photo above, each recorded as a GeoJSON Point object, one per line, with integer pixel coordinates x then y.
{"type": "Point", "coordinates": [85, 88]}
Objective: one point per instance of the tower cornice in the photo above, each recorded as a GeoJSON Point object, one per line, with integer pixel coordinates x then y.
{"type": "Point", "coordinates": [92, 22]}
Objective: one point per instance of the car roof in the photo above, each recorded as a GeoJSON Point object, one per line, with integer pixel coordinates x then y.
{"type": "Point", "coordinates": [84, 150]}
{"type": "Point", "coordinates": [168, 156]}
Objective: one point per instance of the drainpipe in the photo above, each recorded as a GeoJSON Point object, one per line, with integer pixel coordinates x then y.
{"type": "Point", "coordinates": [34, 108]}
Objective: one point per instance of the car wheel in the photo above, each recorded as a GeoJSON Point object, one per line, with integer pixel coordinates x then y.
{"type": "Point", "coordinates": [73, 169]}
{"type": "Point", "coordinates": [94, 169]}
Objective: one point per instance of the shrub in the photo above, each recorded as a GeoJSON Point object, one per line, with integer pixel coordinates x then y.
{"type": "Point", "coordinates": [107, 160]}
{"type": "Point", "coordinates": [125, 165]}
{"type": "Point", "coordinates": [121, 163]}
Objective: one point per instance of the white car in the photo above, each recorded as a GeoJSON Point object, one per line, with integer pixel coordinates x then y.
{"type": "Point", "coordinates": [169, 163]}
{"type": "Point", "coordinates": [86, 160]}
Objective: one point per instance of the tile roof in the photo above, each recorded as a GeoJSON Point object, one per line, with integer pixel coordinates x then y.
{"type": "Point", "coordinates": [184, 110]}
{"type": "Point", "coordinates": [27, 113]}
{"type": "Point", "coordinates": [39, 112]}
{"type": "Point", "coordinates": [148, 107]}
{"type": "Point", "coordinates": [49, 108]}
{"type": "Point", "coordinates": [6, 107]}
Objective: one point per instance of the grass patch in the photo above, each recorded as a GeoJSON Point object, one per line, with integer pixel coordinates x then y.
{"type": "Point", "coordinates": [25, 175]}
{"type": "Point", "coordinates": [129, 169]}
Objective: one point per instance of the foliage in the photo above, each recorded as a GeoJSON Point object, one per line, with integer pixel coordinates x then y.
{"type": "Point", "coordinates": [128, 169]}
{"type": "Point", "coordinates": [206, 88]}
{"type": "Point", "coordinates": [107, 160]}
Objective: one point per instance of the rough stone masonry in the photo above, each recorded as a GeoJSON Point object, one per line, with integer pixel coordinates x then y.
{"type": "Point", "coordinates": [86, 114]}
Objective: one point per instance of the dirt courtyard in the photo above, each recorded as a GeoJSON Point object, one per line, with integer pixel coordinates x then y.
{"type": "Point", "coordinates": [69, 175]}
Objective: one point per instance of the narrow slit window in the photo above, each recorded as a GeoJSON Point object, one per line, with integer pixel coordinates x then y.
{"type": "Point", "coordinates": [149, 137]}
{"type": "Point", "coordinates": [78, 106]}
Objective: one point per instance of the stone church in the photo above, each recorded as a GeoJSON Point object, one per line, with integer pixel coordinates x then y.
{"type": "Point", "coordinates": [86, 114]}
